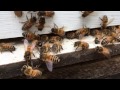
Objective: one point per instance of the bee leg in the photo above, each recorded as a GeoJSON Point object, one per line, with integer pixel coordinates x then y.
{"type": "Point", "coordinates": [27, 17]}
{"type": "Point", "coordinates": [33, 54]}
{"type": "Point", "coordinates": [62, 47]}
{"type": "Point", "coordinates": [100, 19]}
{"type": "Point", "coordinates": [11, 52]}
{"type": "Point", "coordinates": [76, 49]}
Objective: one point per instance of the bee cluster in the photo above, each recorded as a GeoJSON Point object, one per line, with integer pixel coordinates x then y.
{"type": "Point", "coordinates": [48, 45]}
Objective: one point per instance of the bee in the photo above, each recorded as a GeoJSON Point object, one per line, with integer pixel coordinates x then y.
{"type": "Point", "coordinates": [44, 38]}
{"type": "Point", "coordinates": [30, 36]}
{"type": "Point", "coordinates": [46, 48]}
{"type": "Point", "coordinates": [58, 31]}
{"type": "Point", "coordinates": [41, 23]}
{"type": "Point", "coordinates": [103, 50]}
{"type": "Point", "coordinates": [86, 13]}
{"type": "Point", "coordinates": [49, 60]}
{"type": "Point", "coordinates": [54, 39]}
{"type": "Point", "coordinates": [81, 44]}
{"type": "Point", "coordinates": [31, 72]}
{"type": "Point", "coordinates": [29, 23]}
{"type": "Point", "coordinates": [98, 36]}
{"type": "Point", "coordinates": [46, 13]}
{"type": "Point", "coordinates": [70, 35]}
{"type": "Point", "coordinates": [29, 50]}
{"type": "Point", "coordinates": [18, 13]}
{"type": "Point", "coordinates": [105, 22]}
{"type": "Point", "coordinates": [57, 47]}
{"type": "Point", "coordinates": [107, 40]}
{"type": "Point", "coordinates": [80, 33]}
{"type": "Point", "coordinates": [7, 47]}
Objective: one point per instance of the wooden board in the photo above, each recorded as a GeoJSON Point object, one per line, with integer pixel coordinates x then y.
{"type": "Point", "coordinates": [10, 25]}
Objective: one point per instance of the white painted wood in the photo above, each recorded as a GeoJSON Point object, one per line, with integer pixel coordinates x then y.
{"type": "Point", "coordinates": [10, 27]}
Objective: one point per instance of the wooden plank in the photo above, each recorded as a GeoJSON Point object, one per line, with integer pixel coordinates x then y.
{"type": "Point", "coordinates": [12, 70]}
{"type": "Point", "coordinates": [11, 27]}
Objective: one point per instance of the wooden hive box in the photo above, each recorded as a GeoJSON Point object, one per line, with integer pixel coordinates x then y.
{"type": "Point", "coordinates": [11, 63]}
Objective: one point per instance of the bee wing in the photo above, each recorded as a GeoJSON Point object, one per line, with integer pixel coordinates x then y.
{"type": "Point", "coordinates": [110, 21]}
{"type": "Point", "coordinates": [49, 65]}
{"type": "Point", "coordinates": [33, 46]}
{"type": "Point", "coordinates": [26, 43]}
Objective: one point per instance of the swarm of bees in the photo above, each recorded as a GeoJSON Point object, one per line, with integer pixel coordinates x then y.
{"type": "Point", "coordinates": [48, 45]}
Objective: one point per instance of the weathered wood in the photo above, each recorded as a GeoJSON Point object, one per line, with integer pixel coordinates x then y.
{"type": "Point", "coordinates": [11, 70]}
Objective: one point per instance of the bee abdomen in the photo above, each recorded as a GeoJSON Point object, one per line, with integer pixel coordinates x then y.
{"type": "Point", "coordinates": [55, 59]}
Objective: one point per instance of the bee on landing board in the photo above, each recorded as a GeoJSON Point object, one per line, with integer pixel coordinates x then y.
{"type": "Point", "coordinates": [18, 13]}
{"type": "Point", "coordinates": [82, 45]}
{"type": "Point", "coordinates": [57, 47]}
{"type": "Point", "coordinates": [45, 48]}
{"type": "Point", "coordinates": [70, 35]}
{"type": "Point", "coordinates": [7, 47]}
{"type": "Point", "coordinates": [103, 50]}
{"type": "Point", "coordinates": [108, 39]}
{"type": "Point", "coordinates": [86, 13]}
{"type": "Point", "coordinates": [29, 23]}
{"type": "Point", "coordinates": [54, 39]}
{"type": "Point", "coordinates": [29, 51]}
{"type": "Point", "coordinates": [58, 31]}
{"type": "Point", "coordinates": [30, 36]}
{"type": "Point", "coordinates": [49, 60]}
{"type": "Point", "coordinates": [80, 33]}
{"type": "Point", "coordinates": [46, 13]}
{"type": "Point", "coordinates": [31, 72]}
{"type": "Point", "coordinates": [41, 23]}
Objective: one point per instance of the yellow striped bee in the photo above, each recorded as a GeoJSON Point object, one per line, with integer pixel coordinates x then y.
{"type": "Point", "coordinates": [49, 60]}
{"type": "Point", "coordinates": [30, 36]}
{"type": "Point", "coordinates": [29, 23]}
{"type": "Point", "coordinates": [7, 47]}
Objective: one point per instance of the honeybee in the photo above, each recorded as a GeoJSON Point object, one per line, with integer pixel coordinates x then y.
{"type": "Point", "coordinates": [80, 33]}
{"type": "Point", "coordinates": [46, 13]}
{"type": "Point", "coordinates": [49, 60]}
{"type": "Point", "coordinates": [18, 13]}
{"type": "Point", "coordinates": [58, 31]}
{"type": "Point", "coordinates": [31, 72]}
{"type": "Point", "coordinates": [44, 38]}
{"type": "Point", "coordinates": [57, 47]}
{"type": "Point", "coordinates": [45, 48]}
{"type": "Point", "coordinates": [30, 36]}
{"type": "Point", "coordinates": [107, 40]}
{"type": "Point", "coordinates": [81, 44]}
{"type": "Point", "coordinates": [98, 36]}
{"type": "Point", "coordinates": [105, 21]}
{"type": "Point", "coordinates": [29, 23]}
{"type": "Point", "coordinates": [55, 39]}
{"type": "Point", "coordinates": [7, 47]}
{"type": "Point", "coordinates": [41, 23]}
{"type": "Point", "coordinates": [29, 50]}
{"type": "Point", "coordinates": [86, 13]}
{"type": "Point", "coordinates": [70, 35]}
{"type": "Point", "coordinates": [103, 50]}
